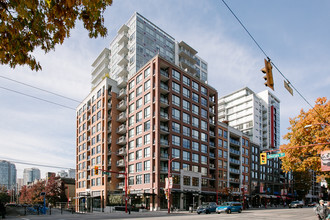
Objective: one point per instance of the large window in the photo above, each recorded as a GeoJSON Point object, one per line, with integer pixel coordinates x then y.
{"type": "Point", "coordinates": [176, 127]}
{"type": "Point", "coordinates": [147, 98]}
{"type": "Point", "coordinates": [186, 180]}
{"type": "Point", "coordinates": [186, 143]}
{"type": "Point", "coordinates": [203, 90]}
{"type": "Point", "coordinates": [147, 125]}
{"type": "Point", "coordinates": [138, 79]}
{"type": "Point", "coordinates": [147, 139]}
{"type": "Point", "coordinates": [186, 131]}
{"type": "Point", "coordinates": [176, 75]}
{"type": "Point", "coordinates": [203, 113]}
{"type": "Point", "coordinates": [175, 166]}
{"type": "Point", "coordinates": [204, 137]}
{"type": "Point", "coordinates": [195, 134]}
{"type": "Point", "coordinates": [138, 91]}
{"type": "Point", "coordinates": [186, 118]}
{"type": "Point", "coordinates": [138, 142]}
{"type": "Point", "coordinates": [195, 146]}
{"type": "Point", "coordinates": [195, 97]}
{"type": "Point", "coordinates": [186, 80]}
{"type": "Point", "coordinates": [176, 87]}
{"type": "Point", "coordinates": [147, 85]}
{"type": "Point", "coordinates": [195, 158]}
{"type": "Point", "coordinates": [147, 178]}
{"type": "Point", "coordinates": [176, 113]}
{"type": "Point", "coordinates": [186, 92]}
{"type": "Point", "coordinates": [195, 109]}
{"type": "Point", "coordinates": [195, 85]}
{"type": "Point", "coordinates": [175, 152]}
{"type": "Point", "coordinates": [186, 105]}
{"type": "Point", "coordinates": [139, 103]}
{"type": "Point", "coordinates": [139, 116]}
{"type": "Point", "coordinates": [146, 165]}
{"type": "Point", "coordinates": [138, 179]}
{"type": "Point", "coordinates": [147, 152]}
{"type": "Point", "coordinates": [203, 159]}
{"type": "Point", "coordinates": [176, 100]}
{"type": "Point", "coordinates": [147, 72]}
{"type": "Point", "coordinates": [138, 129]}
{"type": "Point", "coordinates": [175, 140]}
{"type": "Point", "coordinates": [147, 112]}
{"type": "Point", "coordinates": [186, 155]}
{"type": "Point", "coordinates": [138, 167]}
{"type": "Point", "coordinates": [203, 148]}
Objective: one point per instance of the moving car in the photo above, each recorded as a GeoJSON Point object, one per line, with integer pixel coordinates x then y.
{"type": "Point", "coordinates": [230, 207]}
{"type": "Point", "coordinates": [312, 204]}
{"type": "Point", "coordinates": [296, 204]}
{"type": "Point", "coordinates": [207, 208]}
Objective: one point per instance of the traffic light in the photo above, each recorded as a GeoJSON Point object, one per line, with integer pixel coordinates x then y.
{"type": "Point", "coordinates": [269, 74]}
{"type": "Point", "coordinates": [263, 158]}
{"type": "Point", "coordinates": [96, 168]}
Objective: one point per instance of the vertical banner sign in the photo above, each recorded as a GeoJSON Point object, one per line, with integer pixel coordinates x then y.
{"type": "Point", "coordinates": [325, 160]}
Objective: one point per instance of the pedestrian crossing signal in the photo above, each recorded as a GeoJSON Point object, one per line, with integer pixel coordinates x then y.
{"type": "Point", "coordinates": [263, 158]}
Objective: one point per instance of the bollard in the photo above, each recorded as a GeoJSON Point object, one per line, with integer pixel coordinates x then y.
{"type": "Point", "coordinates": [50, 210]}
{"type": "Point", "coordinates": [61, 210]}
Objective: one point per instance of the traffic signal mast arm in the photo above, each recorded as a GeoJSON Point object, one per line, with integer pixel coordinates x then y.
{"type": "Point", "coordinates": [310, 145]}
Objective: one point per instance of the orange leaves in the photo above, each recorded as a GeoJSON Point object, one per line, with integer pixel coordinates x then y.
{"type": "Point", "coordinates": [308, 128]}
{"type": "Point", "coordinates": [26, 25]}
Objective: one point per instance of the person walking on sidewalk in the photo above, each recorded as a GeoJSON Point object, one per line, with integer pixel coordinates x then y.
{"type": "Point", "coordinates": [321, 210]}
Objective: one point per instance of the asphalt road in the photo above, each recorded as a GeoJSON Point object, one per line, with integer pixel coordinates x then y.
{"type": "Point", "coordinates": [286, 214]}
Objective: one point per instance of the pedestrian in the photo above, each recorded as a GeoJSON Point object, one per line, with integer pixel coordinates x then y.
{"type": "Point", "coordinates": [129, 209]}
{"type": "Point", "coordinates": [2, 210]}
{"type": "Point", "coordinates": [328, 209]}
{"type": "Point", "coordinates": [321, 210]}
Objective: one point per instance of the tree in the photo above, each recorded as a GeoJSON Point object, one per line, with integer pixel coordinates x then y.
{"type": "Point", "coordinates": [309, 129]}
{"type": "Point", "coordinates": [29, 24]}
{"type": "Point", "coordinates": [55, 190]}
{"type": "Point", "coordinates": [302, 183]}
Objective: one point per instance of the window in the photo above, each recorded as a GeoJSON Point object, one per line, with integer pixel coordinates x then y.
{"type": "Point", "coordinates": [175, 166]}
{"type": "Point", "coordinates": [186, 92]}
{"type": "Point", "coordinates": [139, 103]}
{"type": "Point", "coordinates": [175, 152]}
{"type": "Point", "coordinates": [138, 79]}
{"type": "Point", "coordinates": [138, 142]}
{"type": "Point", "coordinates": [147, 125]}
{"type": "Point", "coordinates": [195, 85]}
{"type": "Point", "coordinates": [147, 98]}
{"type": "Point", "coordinates": [147, 178]}
{"type": "Point", "coordinates": [147, 152]}
{"type": "Point", "coordinates": [131, 120]}
{"type": "Point", "coordinates": [219, 143]}
{"type": "Point", "coordinates": [203, 148]}
{"type": "Point", "coordinates": [138, 129]}
{"type": "Point", "coordinates": [194, 168]}
{"type": "Point", "coordinates": [219, 153]}
{"type": "Point", "coordinates": [131, 85]}
{"type": "Point", "coordinates": [130, 145]}
{"type": "Point", "coordinates": [147, 112]}
{"type": "Point", "coordinates": [147, 85]}
{"type": "Point", "coordinates": [186, 143]}
{"type": "Point", "coordinates": [176, 87]}
{"type": "Point", "coordinates": [130, 157]}
{"type": "Point", "coordinates": [204, 65]}
{"type": "Point", "coordinates": [138, 167]}
{"type": "Point", "coordinates": [186, 180]}
{"type": "Point", "coordinates": [138, 154]}
{"type": "Point", "coordinates": [131, 133]}
{"type": "Point", "coordinates": [195, 158]}
{"type": "Point", "coordinates": [176, 127]}
{"type": "Point", "coordinates": [203, 113]}
{"type": "Point", "coordinates": [147, 73]}
{"type": "Point", "coordinates": [176, 100]}
{"type": "Point", "coordinates": [186, 155]}
{"type": "Point", "coordinates": [204, 90]}
{"type": "Point", "coordinates": [186, 167]}
{"type": "Point", "coordinates": [186, 131]}
{"type": "Point", "coordinates": [176, 75]}
{"type": "Point", "coordinates": [195, 122]}
{"type": "Point", "coordinates": [138, 179]}
{"type": "Point", "coordinates": [186, 118]}
{"type": "Point", "coordinates": [195, 181]}
{"type": "Point", "coordinates": [138, 91]}
{"type": "Point", "coordinates": [147, 139]}
{"type": "Point", "coordinates": [204, 137]}
{"type": "Point", "coordinates": [186, 105]}
{"type": "Point", "coordinates": [204, 171]}
{"type": "Point", "coordinates": [176, 113]}
{"type": "Point", "coordinates": [195, 97]}
{"type": "Point", "coordinates": [195, 134]}
{"type": "Point", "coordinates": [204, 125]}
{"type": "Point", "coordinates": [175, 140]}
{"type": "Point", "coordinates": [195, 146]}
{"type": "Point", "coordinates": [204, 101]}
{"type": "Point", "coordinates": [220, 132]}
{"type": "Point", "coordinates": [131, 108]}
{"type": "Point", "coordinates": [225, 134]}
{"type": "Point", "coordinates": [186, 80]}
{"type": "Point", "coordinates": [131, 168]}
{"type": "Point", "coordinates": [195, 109]}
{"type": "Point", "coordinates": [146, 165]}
{"type": "Point", "coordinates": [203, 159]}
{"type": "Point", "coordinates": [139, 116]}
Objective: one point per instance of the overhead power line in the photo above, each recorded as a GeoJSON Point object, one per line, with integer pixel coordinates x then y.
{"type": "Point", "coordinates": [44, 90]}
{"type": "Point", "coordinates": [239, 21]}
{"type": "Point", "coordinates": [34, 164]}
{"type": "Point", "coordinates": [11, 90]}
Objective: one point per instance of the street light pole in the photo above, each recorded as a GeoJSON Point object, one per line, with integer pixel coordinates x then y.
{"type": "Point", "coordinates": [168, 184]}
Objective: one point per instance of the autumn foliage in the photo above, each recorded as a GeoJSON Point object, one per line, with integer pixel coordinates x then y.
{"type": "Point", "coordinates": [308, 128]}
{"type": "Point", "coordinates": [29, 24]}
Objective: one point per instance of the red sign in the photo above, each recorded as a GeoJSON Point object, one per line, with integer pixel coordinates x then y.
{"type": "Point", "coordinates": [325, 160]}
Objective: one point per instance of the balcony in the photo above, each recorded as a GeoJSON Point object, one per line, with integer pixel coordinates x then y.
{"type": "Point", "coordinates": [164, 129]}
{"type": "Point", "coordinates": [163, 170]}
{"type": "Point", "coordinates": [122, 38]}
{"type": "Point", "coordinates": [122, 49]}
{"type": "Point", "coordinates": [232, 170]}
{"type": "Point", "coordinates": [122, 94]}
{"type": "Point", "coordinates": [163, 156]}
{"type": "Point", "coordinates": [122, 82]}
{"type": "Point", "coordinates": [163, 143]}
{"type": "Point", "coordinates": [163, 102]}
{"type": "Point", "coordinates": [121, 140]}
{"type": "Point", "coordinates": [123, 71]}
{"type": "Point", "coordinates": [121, 129]}
{"type": "Point", "coordinates": [212, 166]}
{"type": "Point", "coordinates": [120, 163]}
{"type": "Point", "coordinates": [234, 180]}
{"type": "Point", "coordinates": [121, 151]}
{"type": "Point", "coordinates": [109, 140]}
{"type": "Point", "coordinates": [121, 117]}
{"type": "Point", "coordinates": [235, 142]}
{"type": "Point", "coordinates": [234, 161]}
{"type": "Point", "coordinates": [109, 105]}
{"type": "Point", "coordinates": [232, 151]}
{"type": "Point", "coordinates": [163, 75]}
{"type": "Point", "coordinates": [212, 134]}
{"type": "Point", "coordinates": [212, 155]}
{"type": "Point", "coordinates": [120, 185]}
{"type": "Point", "coordinates": [163, 116]}
{"type": "Point", "coordinates": [121, 106]}
{"type": "Point", "coordinates": [123, 61]}
{"type": "Point", "coordinates": [163, 88]}
{"type": "Point", "coordinates": [211, 101]}
{"type": "Point", "coordinates": [212, 124]}
{"type": "Point", "coordinates": [120, 176]}
{"type": "Point", "coordinates": [211, 144]}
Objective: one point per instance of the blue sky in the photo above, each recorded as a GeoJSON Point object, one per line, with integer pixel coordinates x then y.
{"type": "Point", "coordinates": [294, 34]}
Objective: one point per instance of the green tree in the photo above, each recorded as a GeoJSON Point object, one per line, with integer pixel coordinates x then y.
{"type": "Point", "coordinates": [29, 24]}
{"type": "Point", "coordinates": [309, 129]}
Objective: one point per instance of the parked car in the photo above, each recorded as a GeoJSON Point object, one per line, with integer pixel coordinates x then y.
{"type": "Point", "coordinates": [230, 207]}
{"type": "Point", "coordinates": [207, 208]}
{"type": "Point", "coordinates": [296, 204]}
{"type": "Point", "coordinates": [312, 204]}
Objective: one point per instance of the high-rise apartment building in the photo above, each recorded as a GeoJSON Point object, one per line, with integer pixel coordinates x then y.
{"type": "Point", "coordinates": [257, 115]}
{"type": "Point", "coordinates": [7, 174]}
{"type": "Point", "coordinates": [30, 175]}
{"type": "Point", "coordinates": [149, 103]}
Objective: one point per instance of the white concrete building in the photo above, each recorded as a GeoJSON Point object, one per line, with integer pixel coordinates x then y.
{"type": "Point", "coordinates": [255, 114]}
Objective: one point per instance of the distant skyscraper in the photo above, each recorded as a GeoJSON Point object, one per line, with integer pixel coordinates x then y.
{"type": "Point", "coordinates": [7, 174]}
{"type": "Point", "coordinates": [72, 173]}
{"type": "Point", "coordinates": [30, 174]}
{"type": "Point", "coordinates": [257, 115]}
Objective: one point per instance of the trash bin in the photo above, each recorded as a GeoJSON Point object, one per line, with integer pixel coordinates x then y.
{"type": "Point", "coordinates": [190, 209]}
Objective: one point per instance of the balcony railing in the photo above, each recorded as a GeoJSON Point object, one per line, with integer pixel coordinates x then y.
{"type": "Point", "coordinates": [235, 142]}
{"type": "Point", "coordinates": [234, 161]}
{"type": "Point", "coordinates": [234, 170]}
{"type": "Point", "coordinates": [234, 151]}
{"type": "Point", "coordinates": [164, 73]}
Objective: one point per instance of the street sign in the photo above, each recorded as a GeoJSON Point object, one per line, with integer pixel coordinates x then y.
{"type": "Point", "coordinates": [287, 86]}
{"type": "Point", "coordinates": [269, 156]}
